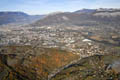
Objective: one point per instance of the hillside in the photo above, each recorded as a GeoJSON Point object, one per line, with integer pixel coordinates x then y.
{"type": "Point", "coordinates": [96, 67]}
{"type": "Point", "coordinates": [27, 63]}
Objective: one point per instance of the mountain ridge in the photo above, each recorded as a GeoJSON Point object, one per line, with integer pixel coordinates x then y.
{"type": "Point", "coordinates": [17, 17]}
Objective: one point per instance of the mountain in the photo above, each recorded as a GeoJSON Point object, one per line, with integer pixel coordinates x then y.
{"type": "Point", "coordinates": [94, 17]}
{"type": "Point", "coordinates": [17, 17]}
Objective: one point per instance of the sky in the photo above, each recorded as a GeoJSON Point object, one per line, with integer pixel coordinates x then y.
{"type": "Point", "coordinates": [48, 6]}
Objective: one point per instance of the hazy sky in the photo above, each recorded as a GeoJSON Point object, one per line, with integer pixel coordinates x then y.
{"type": "Point", "coordinates": [48, 6]}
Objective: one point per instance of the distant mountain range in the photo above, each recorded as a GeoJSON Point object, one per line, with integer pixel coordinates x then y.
{"type": "Point", "coordinates": [86, 17]}
{"type": "Point", "coordinates": [17, 17]}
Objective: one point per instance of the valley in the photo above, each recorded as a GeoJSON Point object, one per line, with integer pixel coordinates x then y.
{"type": "Point", "coordinates": [80, 45]}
